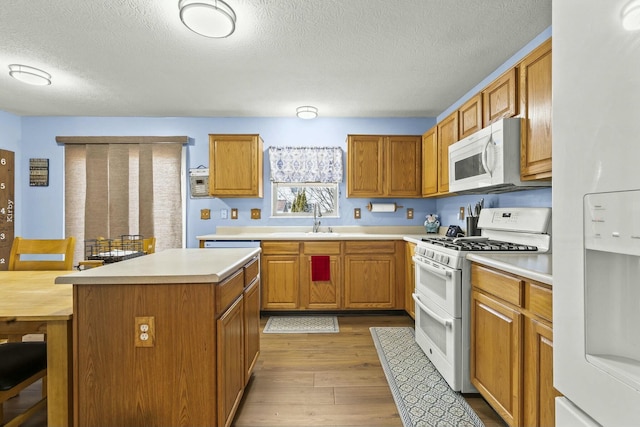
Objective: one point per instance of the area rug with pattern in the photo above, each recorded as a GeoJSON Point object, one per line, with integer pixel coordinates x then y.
{"type": "Point", "coordinates": [301, 325]}
{"type": "Point", "coordinates": [422, 396]}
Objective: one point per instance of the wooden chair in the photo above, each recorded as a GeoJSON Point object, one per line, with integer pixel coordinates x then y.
{"type": "Point", "coordinates": [40, 247]}
{"type": "Point", "coordinates": [149, 245]}
{"type": "Point", "coordinates": [21, 364]}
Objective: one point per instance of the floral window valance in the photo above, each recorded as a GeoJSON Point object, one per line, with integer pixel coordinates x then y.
{"type": "Point", "coordinates": [305, 164]}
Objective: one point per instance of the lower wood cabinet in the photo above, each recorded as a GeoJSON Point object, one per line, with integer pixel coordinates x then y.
{"type": "Point", "coordinates": [280, 275]}
{"type": "Point", "coordinates": [496, 361]}
{"type": "Point", "coordinates": [251, 300]}
{"type": "Point", "coordinates": [512, 346]}
{"type": "Point", "coordinates": [230, 329]}
{"type": "Point", "coordinates": [371, 275]}
{"type": "Point", "coordinates": [364, 274]}
{"type": "Point", "coordinates": [410, 279]}
{"type": "Point", "coordinates": [324, 294]}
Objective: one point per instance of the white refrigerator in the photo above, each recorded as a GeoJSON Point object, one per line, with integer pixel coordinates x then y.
{"type": "Point", "coordinates": [596, 213]}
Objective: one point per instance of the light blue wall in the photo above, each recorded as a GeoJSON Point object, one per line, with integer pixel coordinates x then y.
{"type": "Point", "coordinates": [43, 208]}
{"type": "Point", "coordinates": [448, 207]}
{"type": "Point", "coordinates": [40, 210]}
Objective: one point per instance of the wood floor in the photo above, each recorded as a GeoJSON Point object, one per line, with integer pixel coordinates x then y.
{"type": "Point", "coordinates": [327, 380]}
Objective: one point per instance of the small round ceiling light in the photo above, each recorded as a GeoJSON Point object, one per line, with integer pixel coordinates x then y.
{"type": "Point", "coordinates": [631, 16]}
{"type": "Point", "coordinates": [29, 75]}
{"type": "Point", "coordinates": [307, 112]}
{"type": "Point", "coordinates": [209, 18]}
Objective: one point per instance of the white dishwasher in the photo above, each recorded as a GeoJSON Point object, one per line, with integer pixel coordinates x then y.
{"type": "Point", "coordinates": [231, 244]}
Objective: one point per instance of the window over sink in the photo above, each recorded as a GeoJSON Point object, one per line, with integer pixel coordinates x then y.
{"type": "Point", "coordinates": [305, 180]}
{"type": "Point", "coordinates": [297, 200]}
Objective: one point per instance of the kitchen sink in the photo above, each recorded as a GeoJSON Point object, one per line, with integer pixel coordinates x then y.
{"type": "Point", "coordinates": [304, 234]}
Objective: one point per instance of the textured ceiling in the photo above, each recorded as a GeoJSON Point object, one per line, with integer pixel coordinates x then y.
{"type": "Point", "coordinates": [349, 58]}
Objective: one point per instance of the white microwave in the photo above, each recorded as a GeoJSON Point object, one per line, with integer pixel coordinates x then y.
{"type": "Point", "coordinates": [488, 161]}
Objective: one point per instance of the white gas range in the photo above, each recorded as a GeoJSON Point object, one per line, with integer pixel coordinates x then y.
{"type": "Point", "coordinates": [443, 283]}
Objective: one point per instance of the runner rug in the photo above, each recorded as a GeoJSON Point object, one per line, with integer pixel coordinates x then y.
{"type": "Point", "coordinates": [301, 325]}
{"type": "Point", "coordinates": [422, 396]}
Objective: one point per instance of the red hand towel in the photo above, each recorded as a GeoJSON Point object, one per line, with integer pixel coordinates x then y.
{"type": "Point", "coordinates": [320, 268]}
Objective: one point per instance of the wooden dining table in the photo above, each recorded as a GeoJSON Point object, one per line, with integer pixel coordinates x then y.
{"type": "Point", "coordinates": [30, 303]}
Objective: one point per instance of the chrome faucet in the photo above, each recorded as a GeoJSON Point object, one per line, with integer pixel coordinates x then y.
{"type": "Point", "coordinates": [316, 214]}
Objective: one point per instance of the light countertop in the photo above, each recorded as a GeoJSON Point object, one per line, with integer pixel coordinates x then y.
{"type": "Point", "coordinates": [305, 233]}
{"type": "Point", "coordinates": [168, 266]}
{"type": "Point", "coordinates": [534, 267]}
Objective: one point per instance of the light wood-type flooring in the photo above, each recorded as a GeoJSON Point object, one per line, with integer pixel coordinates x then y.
{"type": "Point", "coordinates": [314, 380]}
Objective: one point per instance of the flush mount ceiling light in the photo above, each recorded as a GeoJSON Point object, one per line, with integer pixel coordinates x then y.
{"type": "Point", "coordinates": [631, 16]}
{"type": "Point", "coordinates": [209, 18]}
{"type": "Point", "coordinates": [30, 75]}
{"type": "Point", "coordinates": [307, 112]}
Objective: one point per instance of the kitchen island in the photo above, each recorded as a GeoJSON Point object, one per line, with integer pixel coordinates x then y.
{"type": "Point", "coordinates": [169, 338]}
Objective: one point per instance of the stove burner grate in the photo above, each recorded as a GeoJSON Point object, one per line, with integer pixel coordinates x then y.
{"type": "Point", "coordinates": [485, 245]}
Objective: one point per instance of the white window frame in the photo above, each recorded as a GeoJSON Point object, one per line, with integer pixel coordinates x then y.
{"type": "Point", "coordinates": [309, 214]}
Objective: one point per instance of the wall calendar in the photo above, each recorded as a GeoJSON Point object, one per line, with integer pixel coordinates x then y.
{"type": "Point", "coordinates": [7, 206]}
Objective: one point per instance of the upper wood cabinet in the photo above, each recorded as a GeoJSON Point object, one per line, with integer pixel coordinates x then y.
{"type": "Point", "coordinates": [535, 108]}
{"type": "Point", "coordinates": [447, 135]}
{"type": "Point", "coordinates": [430, 162]}
{"type": "Point", "coordinates": [384, 166]}
{"type": "Point", "coordinates": [499, 99]}
{"type": "Point", "coordinates": [235, 165]}
{"type": "Point", "coordinates": [470, 116]}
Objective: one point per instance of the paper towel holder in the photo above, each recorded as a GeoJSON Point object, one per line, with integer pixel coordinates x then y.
{"type": "Point", "coordinates": [383, 207]}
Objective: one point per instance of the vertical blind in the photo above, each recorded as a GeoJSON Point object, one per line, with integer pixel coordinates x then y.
{"type": "Point", "coordinates": [116, 189]}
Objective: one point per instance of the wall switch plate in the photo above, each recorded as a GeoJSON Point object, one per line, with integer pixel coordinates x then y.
{"type": "Point", "coordinates": [234, 213]}
{"type": "Point", "coordinates": [205, 213]}
{"type": "Point", "coordinates": [224, 214]}
{"type": "Point", "coordinates": [356, 213]}
{"type": "Point", "coordinates": [461, 213]}
{"type": "Point", "coordinates": [145, 331]}
{"type": "Point", "coordinates": [255, 213]}
{"type": "Point", "coordinates": [409, 213]}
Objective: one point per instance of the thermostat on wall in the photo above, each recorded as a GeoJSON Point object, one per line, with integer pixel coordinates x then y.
{"type": "Point", "coordinates": [199, 182]}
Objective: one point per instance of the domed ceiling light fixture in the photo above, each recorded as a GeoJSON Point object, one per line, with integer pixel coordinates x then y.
{"type": "Point", "coordinates": [209, 18]}
{"type": "Point", "coordinates": [307, 112]}
{"type": "Point", "coordinates": [631, 16]}
{"type": "Point", "coordinates": [29, 75]}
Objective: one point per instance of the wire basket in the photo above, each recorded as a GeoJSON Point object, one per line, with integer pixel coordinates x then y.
{"type": "Point", "coordinates": [114, 250]}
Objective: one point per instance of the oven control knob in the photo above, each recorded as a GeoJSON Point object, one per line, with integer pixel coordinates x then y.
{"type": "Point", "coordinates": [429, 254]}
{"type": "Point", "coordinates": [444, 259]}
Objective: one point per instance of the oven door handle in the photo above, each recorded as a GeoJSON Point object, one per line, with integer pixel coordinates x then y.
{"type": "Point", "coordinates": [437, 271]}
{"type": "Point", "coordinates": [444, 322]}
